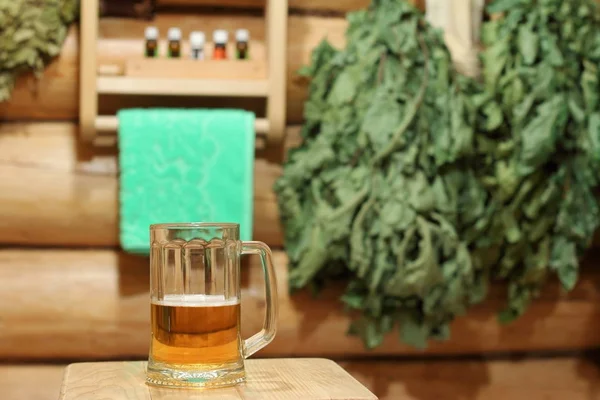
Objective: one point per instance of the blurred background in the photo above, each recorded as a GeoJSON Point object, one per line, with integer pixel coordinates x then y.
{"type": "Point", "coordinates": [69, 293]}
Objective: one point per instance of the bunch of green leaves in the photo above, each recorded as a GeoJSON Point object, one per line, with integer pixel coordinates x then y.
{"type": "Point", "coordinates": [381, 185]}
{"type": "Point", "coordinates": [418, 186]}
{"type": "Point", "coordinates": [31, 33]}
{"type": "Point", "coordinates": [539, 141]}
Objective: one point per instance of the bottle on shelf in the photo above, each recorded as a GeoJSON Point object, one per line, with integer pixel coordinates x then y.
{"type": "Point", "coordinates": [151, 35]}
{"type": "Point", "coordinates": [197, 41]}
{"type": "Point", "coordinates": [242, 37]}
{"type": "Point", "coordinates": [174, 37]}
{"type": "Point", "coordinates": [220, 37]}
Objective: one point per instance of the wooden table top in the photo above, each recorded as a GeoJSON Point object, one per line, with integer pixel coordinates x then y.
{"type": "Point", "coordinates": [267, 379]}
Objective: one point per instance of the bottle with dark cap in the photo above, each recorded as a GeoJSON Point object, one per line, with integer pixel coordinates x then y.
{"type": "Point", "coordinates": [151, 35]}
{"type": "Point", "coordinates": [174, 36]}
{"type": "Point", "coordinates": [242, 37]}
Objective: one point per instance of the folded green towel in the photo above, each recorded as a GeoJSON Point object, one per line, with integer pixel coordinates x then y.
{"type": "Point", "coordinates": [181, 165]}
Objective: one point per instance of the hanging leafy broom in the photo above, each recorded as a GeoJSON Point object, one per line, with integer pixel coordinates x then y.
{"type": "Point", "coordinates": [419, 186]}
{"type": "Point", "coordinates": [32, 32]}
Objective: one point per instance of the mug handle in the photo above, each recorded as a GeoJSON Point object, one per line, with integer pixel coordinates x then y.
{"type": "Point", "coordinates": [267, 333]}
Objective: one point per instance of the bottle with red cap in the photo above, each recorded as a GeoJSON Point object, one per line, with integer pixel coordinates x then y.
{"type": "Point", "coordinates": [220, 37]}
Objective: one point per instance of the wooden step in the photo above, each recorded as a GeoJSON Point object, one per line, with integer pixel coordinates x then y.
{"type": "Point", "coordinates": [94, 304]}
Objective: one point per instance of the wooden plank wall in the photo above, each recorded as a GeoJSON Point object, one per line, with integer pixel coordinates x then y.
{"type": "Point", "coordinates": [93, 304]}
{"type": "Point", "coordinates": [54, 192]}
{"type": "Point", "coordinates": [57, 194]}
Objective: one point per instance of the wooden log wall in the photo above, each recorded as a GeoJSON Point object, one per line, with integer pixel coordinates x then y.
{"type": "Point", "coordinates": [54, 192]}
{"type": "Point", "coordinates": [93, 304]}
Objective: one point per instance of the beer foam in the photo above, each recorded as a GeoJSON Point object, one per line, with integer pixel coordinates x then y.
{"type": "Point", "coordinates": [196, 300]}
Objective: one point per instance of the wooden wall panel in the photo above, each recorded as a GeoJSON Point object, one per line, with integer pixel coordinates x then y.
{"type": "Point", "coordinates": [93, 304]}
{"type": "Point", "coordinates": [54, 96]}
{"type": "Point", "coordinates": [53, 192]}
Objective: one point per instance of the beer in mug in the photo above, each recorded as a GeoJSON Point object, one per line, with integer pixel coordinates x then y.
{"type": "Point", "coordinates": [195, 305]}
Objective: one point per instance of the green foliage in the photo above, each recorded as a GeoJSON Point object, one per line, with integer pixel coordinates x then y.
{"type": "Point", "coordinates": [419, 186]}
{"type": "Point", "coordinates": [541, 70]}
{"type": "Point", "coordinates": [376, 191]}
{"type": "Point", "coordinates": [32, 33]}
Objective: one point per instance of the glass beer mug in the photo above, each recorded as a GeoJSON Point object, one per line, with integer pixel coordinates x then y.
{"type": "Point", "coordinates": [195, 305]}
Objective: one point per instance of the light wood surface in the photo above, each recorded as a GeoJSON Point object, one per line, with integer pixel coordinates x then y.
{"type": "Point", "coordinates": [276, 41]}
{"type": "Point", "coordinates": [183, 87]}
{"type": "Point", "coordinates": [111, 69]}
{"type": "Point", "coordinates": [93, 304]}
{"type": "Point", "coordinates": [53, 192]}
{"type": "Point", "coordinates": [276, 379]}
{"type": "Point", "coordinates": [194, 69]}
{"type": "Point", "coordinates": [88, 100]}
{"type": "Point", "coordinates": [55, 95]}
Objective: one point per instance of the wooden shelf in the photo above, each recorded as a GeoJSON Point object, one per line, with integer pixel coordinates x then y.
{"type": "Point", "coordinates": [181, 87]}
{"type": "Point", "coordinates": [182, 68]}
{"type": "Point", "coordinates": [261, 76]}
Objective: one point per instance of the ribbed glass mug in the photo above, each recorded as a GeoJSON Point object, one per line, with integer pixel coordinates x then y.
{"type": "Point", "coordinates": [195, 305]}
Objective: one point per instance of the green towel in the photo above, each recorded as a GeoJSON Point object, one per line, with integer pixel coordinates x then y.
{"type": "Point", "coordinates": [180, 165]}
